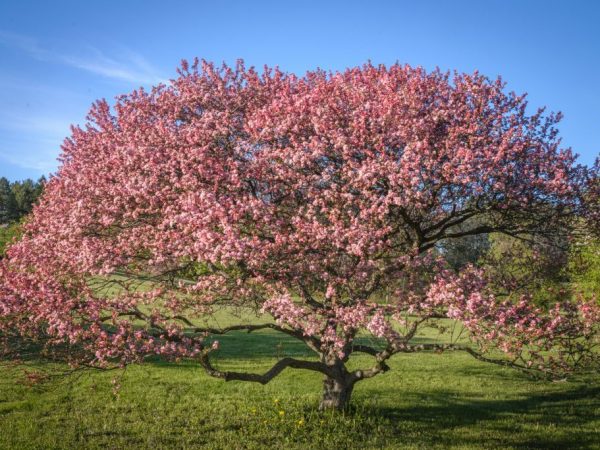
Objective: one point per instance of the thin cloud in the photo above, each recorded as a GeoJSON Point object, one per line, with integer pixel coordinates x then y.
{"type": "Point", "coordinates": [42, 126]}
{"type": "Point", "coordinates": [33, 162]}
{"type": "Point", "coordinates": [20, 154]}
{"type": "Point", "coordinates": [129, 66]}
{"type": "Point", "coordinates": [32, 142]}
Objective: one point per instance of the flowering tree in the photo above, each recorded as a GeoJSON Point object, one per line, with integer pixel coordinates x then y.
{"type": "Point", "coordinates": [318, 200]}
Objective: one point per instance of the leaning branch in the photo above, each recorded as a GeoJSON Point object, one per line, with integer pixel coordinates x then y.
{"type": "Point", "coordinates": [281, 365]}
{"type": "Point", "coordinates": [401, 347]}
{"type": "Point", "coordinates": [312, 342]}
{"type": "Point", "coordinates": [364, 349]}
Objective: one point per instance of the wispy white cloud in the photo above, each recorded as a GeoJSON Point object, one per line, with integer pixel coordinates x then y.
{"type": "Point", "coordinates": [9, 84]}
{"type": "Point", "coordinates": [32, 141]}
{"type": "Point", "coordinates": [126, 65]}
{"type": "Point", "coordinates": [43, 164]}
{"type": "Point", "coordinates": [48, 127]}
{"type": "Point", "coordinates": [35, 117]}
{"type": "Point", "coordinates": [37, 152]}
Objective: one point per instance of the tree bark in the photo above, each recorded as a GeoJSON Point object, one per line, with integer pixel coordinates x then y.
{"type": "Point", "coordinates": [336, 394]}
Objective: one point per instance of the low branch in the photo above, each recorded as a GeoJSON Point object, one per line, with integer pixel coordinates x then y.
{"type": "Point", "coordinates": [281, 365]}
{"type": "Point", "coordinates": [465, 348]}
{"type": "Point", "coordinates": [308, 298]}
{"type": "Point", "coordinates": [364, 349]}
{"type": "Point", "coordinates": [401, 347]}
{"type": "Point", "coordinates": [379, 367]}
{"type": "Point", "coordinates": [312, 342]}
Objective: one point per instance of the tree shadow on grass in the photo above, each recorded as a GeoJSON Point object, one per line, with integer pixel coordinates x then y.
{"type": "Point", "coordinates": [568, 417]}
{"type": "Point", "coordinates": [563, 418]}
{"type": "Point", "coordinates": [543, 420]}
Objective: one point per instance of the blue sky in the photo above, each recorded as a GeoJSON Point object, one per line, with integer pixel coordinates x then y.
{"type": "Point", "coordinates": [57, 57]}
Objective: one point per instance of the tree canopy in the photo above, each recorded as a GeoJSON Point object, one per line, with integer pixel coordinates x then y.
{"type": "Point", "coordinates": [321, 200]}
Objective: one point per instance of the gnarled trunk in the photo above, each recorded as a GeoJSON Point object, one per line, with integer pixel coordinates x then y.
{"type": "Point", "coordinates": [336, 394]}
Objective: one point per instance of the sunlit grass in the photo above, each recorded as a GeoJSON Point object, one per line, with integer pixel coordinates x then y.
{"type": "Point", "coordinates": [425, 401]}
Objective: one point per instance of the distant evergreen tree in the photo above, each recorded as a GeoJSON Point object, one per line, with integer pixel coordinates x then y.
{"type": "Point", "coordinates": [17, 198]}
{"type": "Point", "coordinates": [24, 193]}
{"type": "Point", "coordinates": [8, 204]}
{"type": "Point", "coordinates": [39, 186]}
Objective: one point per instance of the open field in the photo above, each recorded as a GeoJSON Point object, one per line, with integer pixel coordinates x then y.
{"type": "Point", "coordinates": [425, 401]}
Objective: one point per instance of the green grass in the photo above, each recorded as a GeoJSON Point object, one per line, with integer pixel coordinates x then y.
{"type": "Point", "coordinates": [425, 401]}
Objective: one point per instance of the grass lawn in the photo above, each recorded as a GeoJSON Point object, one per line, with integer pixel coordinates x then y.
{"type": "Point", "coordinates": [425, 401]}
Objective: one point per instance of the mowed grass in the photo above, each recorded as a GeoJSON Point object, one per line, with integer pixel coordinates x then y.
{"type": "Point", "coordinates": [427, 401]}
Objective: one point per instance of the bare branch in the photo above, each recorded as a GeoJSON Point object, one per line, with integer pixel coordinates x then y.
{"type": "Point", "coordinates": [281, 365]}
{"type": "Point", "coordinates": [394, 348]}
{"type": "Point", "coordinates": [364, 349]}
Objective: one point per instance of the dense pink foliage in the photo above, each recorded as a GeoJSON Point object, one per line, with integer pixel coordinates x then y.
{"type": "Point", "coordinates": [308, 198]}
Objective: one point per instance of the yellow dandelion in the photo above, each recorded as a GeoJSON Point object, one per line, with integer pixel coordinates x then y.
{"type": "Point", "coordinates": [282, 413]}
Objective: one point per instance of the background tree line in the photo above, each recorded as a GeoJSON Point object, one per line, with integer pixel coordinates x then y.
{"type": "Point", "coordinates": [17, 198]}
{"type": "Point", "coordinates": [16, 201]}
{"type": "Point", "coordinates": [545, 268]}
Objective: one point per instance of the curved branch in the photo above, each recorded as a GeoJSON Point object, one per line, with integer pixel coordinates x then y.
{"type": "Point", "coordinates": [268, 375]}
{"type": "Point", "coordinates": [379, 367]}
{"type": "Point", "coordinates": [457, 347]}
{"type": "Point", "coordinates": [209, 330]}
{"type": "Point", "coordinates": [382, 356]}
{"type": "Point", "coordinates": [308, 298]}
{"type": "Point", "coordinates": [312, 342]}
{"type": "Point", "coordinates": [364, 349]}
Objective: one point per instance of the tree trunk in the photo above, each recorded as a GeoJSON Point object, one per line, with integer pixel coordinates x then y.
{"type": "Point", "coordinates": [336, 394]}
